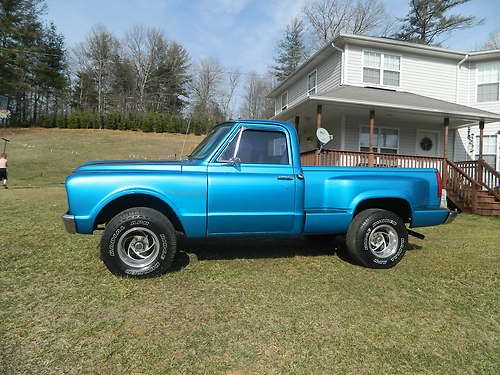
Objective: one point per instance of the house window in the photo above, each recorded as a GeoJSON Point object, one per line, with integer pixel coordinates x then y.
{"type": "Point", "coordinates": [488, 78]}
{"type": "Point", "coordinates": [385, 140]}
{"type": "Point", "coordinates": [381, 68]}
{"type": "Point", "coordinates": [311, 82]}
{"type": "Point", "coordinates": [489, 149]}
{"type": "Point", "coordinates": [284, 100]}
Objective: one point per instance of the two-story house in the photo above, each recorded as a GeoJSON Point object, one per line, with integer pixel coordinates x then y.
{"type": "Point", "coordinates": [401, 104]}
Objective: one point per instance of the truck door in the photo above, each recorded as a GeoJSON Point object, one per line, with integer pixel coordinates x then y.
{"type": "Point", "coordinates": [251, 184]}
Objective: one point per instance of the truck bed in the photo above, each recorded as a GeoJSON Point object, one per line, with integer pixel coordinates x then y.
{"type": "Point", "coordinates": [333, 193]}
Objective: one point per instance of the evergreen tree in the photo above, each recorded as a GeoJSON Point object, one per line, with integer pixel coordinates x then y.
{"type": "Point", "coordinates": [427, 20]}
{"type": "Point", "coordinates": [49, 69]}
{"type": "Point", "coordinates": [32, 59]}
{"type": "Point", "coordinates": [291, 50]}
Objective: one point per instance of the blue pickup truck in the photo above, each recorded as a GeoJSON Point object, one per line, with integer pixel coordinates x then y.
{"type": "Point", "coordinates": [245, 179]}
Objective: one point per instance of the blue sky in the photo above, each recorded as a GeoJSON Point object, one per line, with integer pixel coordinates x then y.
{"type": "Point", "coordinates": [242, 34]}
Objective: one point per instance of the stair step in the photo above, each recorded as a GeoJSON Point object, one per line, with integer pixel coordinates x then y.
{"type": "Point", "coordinates": [487, 212]}
{"type": "Point", "coordinates": [488, 199]}
{"type": "Point", "coordinates": [493, 206]}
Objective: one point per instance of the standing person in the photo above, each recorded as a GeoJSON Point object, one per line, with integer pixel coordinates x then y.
{"type": "Point", "coordinates": [4, 164]}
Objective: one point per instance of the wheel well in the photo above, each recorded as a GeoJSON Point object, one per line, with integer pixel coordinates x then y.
{"type": "Point", "coordinates": [137, 200]}
{"type": "Point", "coordinates": [397, 205]}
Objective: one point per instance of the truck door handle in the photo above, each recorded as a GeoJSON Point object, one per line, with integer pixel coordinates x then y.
{"type": "Point", "coordinates": [285, 178]}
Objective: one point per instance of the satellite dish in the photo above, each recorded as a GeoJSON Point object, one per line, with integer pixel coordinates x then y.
{"type": "Point", "coordinates": [323, 136]}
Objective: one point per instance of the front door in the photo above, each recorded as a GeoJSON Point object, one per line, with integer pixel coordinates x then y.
{"type": "Point", "coordinates": [427, 143]}
{"type": "Point", "coordinates": [251, 184]}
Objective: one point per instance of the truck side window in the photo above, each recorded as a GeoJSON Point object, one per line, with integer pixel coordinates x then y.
{"type": "Point", "coordinates": [258, 147]}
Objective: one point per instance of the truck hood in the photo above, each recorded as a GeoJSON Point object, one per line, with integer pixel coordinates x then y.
{"type": "Point", "coordinates": [134, 165]}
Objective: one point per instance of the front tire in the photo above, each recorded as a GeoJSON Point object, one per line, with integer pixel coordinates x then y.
{"type": "Point", "coordinates": [138, 242]}
{"type": "Point", "coordinates": [377, 238]}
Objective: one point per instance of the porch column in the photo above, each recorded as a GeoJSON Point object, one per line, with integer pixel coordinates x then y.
{"type": "Point", "coordinates": [319, 111]}
{"type": "Point", "coordinates": [479, 171]}
{"type": "Point", "coordinates": [370, 139]}
{"type": "Point", "coordinates": [297, 121]}
{"type": "Point", "coordinates": [446, 124]}
{"type": "Point", "coordinates": [481, 133]}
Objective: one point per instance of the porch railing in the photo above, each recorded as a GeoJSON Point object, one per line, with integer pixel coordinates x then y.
{"type": "Point", "coordinates": [361, 159]}
{"type": "Point", "coordinates": [461, 185]}
{"type": "Point", "coordinates": [484, 173]}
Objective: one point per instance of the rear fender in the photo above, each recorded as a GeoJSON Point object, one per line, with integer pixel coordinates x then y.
{"type": "Point", "coordinates": [378, 194]}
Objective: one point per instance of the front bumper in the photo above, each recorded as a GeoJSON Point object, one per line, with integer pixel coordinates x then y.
{"type": "Point", "coordinates": [69, 223]}
{"type": "Point", "coordinates": [452, 215]}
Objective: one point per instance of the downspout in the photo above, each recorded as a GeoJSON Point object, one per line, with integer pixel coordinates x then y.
{"type": "Point", "coordinates": [457, 82]}
{"type": "Point", "coordinates": [342, 66]}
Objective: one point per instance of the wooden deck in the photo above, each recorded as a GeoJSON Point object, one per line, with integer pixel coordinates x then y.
{"type": "Point", "coordinates": [473, 186]}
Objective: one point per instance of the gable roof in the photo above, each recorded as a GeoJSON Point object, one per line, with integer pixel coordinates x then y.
{"type": "Point", "coordinates": [400, 45]}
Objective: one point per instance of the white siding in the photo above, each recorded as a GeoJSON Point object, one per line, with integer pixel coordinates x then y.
{"type": "Point", "coordinates": [469, 90]}
{"type": "Point", "coordinates": [466, 83]}
{"type": "Point", "coordinates": [329, 73]}
{"type": "Point", "coordinates": [465, 150]}
{"type": "Point", "coordinates": [328, 77]}
{"type": "Point", "coordinates": [420, 74]}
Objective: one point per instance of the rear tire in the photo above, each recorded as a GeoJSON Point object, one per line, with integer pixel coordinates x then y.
{"type": "Point", "coordinates": [377, 238]}
{"type": "Point", "coordinates": [138, 242]}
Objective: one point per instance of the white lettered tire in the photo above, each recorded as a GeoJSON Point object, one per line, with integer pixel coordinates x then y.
{"type": "Point", "coordinates": [138, 242]}
{"type": "Point", "coordinates": [377, 238]}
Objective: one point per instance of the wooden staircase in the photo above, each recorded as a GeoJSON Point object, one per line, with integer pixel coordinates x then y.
{"type": "Point", "coordinates": [473, 186]}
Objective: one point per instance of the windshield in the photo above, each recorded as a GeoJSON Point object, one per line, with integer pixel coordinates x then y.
{"type": "Point", "coordinates": [212, 140]}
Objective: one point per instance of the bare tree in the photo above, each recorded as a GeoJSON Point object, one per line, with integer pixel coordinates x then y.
{"type": "Point", "coordinates": [367, 16]}
{"type": "Point", "coordinates": [96, 55]}
{"type": "Point", "coordinates": [227, 93]}
{"type": "Point", "coordinates": [256, 104]}
{"type": "Point", "coordinates": [205, 86]}
{"type": "Point", "coordinates": [493, 41]}
{"type": "Point", "coordinates": [146, 48]}
{"type": "Point", "coordinates": [329, 18]}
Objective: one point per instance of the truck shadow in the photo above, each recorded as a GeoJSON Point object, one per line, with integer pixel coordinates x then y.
{"type": "Point", "coordinates": [257, 248]}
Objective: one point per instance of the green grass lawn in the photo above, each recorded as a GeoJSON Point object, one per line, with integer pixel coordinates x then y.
{"type": "Point", "coordinates": [232, 306]}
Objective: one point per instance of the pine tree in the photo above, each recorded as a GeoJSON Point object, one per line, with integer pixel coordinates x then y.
{"type": "Point", "coordinates": [50, 68]}
{"type": "Point", "coordinates": [426, 21]}
{"type": "Point", "coordinates": [291, 50]}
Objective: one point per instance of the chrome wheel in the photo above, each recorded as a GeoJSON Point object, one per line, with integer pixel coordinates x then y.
{"type": "Point", "coordinates": [138, 247]}
{"type": "Point", "coordinates": [383, 241]}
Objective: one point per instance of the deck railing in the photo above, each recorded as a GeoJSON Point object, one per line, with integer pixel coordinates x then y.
{"type": "Point", "coordinates": [484, 173]}
{"type": "Point", "coordinates": [361, 159]}
{"type": "Point", "coordinates": [461, 184]}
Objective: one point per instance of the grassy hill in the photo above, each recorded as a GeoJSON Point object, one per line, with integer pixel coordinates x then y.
{"type": "Point", "coordinates": [46, 156]}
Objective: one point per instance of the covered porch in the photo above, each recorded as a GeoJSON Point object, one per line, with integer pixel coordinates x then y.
{"type": "Point", "coordinates": [382, 128]}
